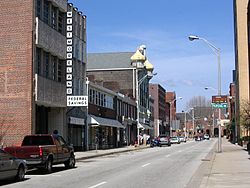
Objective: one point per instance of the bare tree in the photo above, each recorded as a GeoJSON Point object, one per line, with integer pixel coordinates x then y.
{"type": "Point", "coordinates": [245, 116]}
{"type": "Point", "coordinates": [198, 101]}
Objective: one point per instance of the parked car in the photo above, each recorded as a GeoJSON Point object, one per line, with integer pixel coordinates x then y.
{"type": "Point", "coordinates": [11, 167]}
{"type": "Point", "coordinates": [174, 140]}
{"type": "Point", "coordinates": [164, 140]}
{"type": "Point", "coordinates": [160, 141]}
{"type": "Point", "coordinates": [182, 138]}
{"type": "Point", "coordinates": [43, 151]}
{"type": "Point", "coordinates": [206, 137]}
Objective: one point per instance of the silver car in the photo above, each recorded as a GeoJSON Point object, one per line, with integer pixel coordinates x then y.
{"type": "Point", "coordinates": [174, 140]}
{"type": "Point", "coordinates": [11, 167]}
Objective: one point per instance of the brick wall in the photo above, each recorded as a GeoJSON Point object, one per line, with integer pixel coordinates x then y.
{"type": "Point", "coordinates": [118, 81]}
{"type": "Point", "coordinates": [15, 70]}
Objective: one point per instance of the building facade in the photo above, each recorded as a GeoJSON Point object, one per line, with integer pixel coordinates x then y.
{"type": "Point", "coordinates": [158, 93]}
{"type": "Point", "coordinates": [241, 27]}
{"type": "Point", "coordinates": [111, 118]}
{"type": "Point", "coordinates": [33, 67]}
{"type": "Point", "coordinates": [116, 72]}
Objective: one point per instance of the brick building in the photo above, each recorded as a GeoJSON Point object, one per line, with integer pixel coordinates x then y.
{"type": "Point", "coordinates": [158, 93]}
{"type": "Point", "coordinates": [116, 72]}
{"type": "Point", "coordinates": [111, 118]}
{"type": "Point", "coordinates": [33, 66]}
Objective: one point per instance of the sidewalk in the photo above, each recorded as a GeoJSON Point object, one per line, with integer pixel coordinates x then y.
{"type": "Point", "coordinates": [97, 153]}
{"type": "Point", "coordinates": [231, 168]}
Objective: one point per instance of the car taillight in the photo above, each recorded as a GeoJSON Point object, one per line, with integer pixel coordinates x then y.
{"type": "Point", "coordinates": [40, 151]}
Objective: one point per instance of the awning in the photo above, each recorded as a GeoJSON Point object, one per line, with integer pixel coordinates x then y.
{"type": "Point", "coordinates": [99, 121]}
{"type": "Point", "coordinates": [144, 126]}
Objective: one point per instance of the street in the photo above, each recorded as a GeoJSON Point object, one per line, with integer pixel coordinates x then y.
{"type": "Point", "coordinates": [154, 167]}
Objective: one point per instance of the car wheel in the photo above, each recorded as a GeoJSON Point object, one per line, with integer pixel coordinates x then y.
{"type": "Point", "coordinates": [48, 165]}
{"type": "Point", "coordinates": [20, 173]}
{"type": "Point", "coordinates": [70, 163]}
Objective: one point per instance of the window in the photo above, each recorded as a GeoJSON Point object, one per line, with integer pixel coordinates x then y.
{"type": "Point", "coordinates": [38, 61]}
{"type": "Point", "coordinates": [60, 22]}
{"type": "Point", "coordinates": [59, 70]}
{"type": "Point", "coordinates": [54, 67]}
{"type": "Point", "coordinates": [90, 95]}
{"type": "Point", "coordinates": [99, 99]}
{"type": "Point", "coordinates": [93, 97]}
{"type": "Point", "coordinates": [46, 64]}
{"type": "Point", "coordinates": [46, 11]}
{"type": "Point", "coordinates": [38, 8]}
{"type": "Point", "coordinates": [109, 101]}
{"type": "Point", "coordinates": [75, 86]}
{"type": "Point", "coordinates": [54, 17]}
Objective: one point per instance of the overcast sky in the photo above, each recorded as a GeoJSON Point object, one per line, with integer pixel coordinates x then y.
{"type": "Point", "coordinates": [164, 26]}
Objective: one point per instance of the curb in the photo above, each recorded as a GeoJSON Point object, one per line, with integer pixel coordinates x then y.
{"type": "Point", "coordinates": [109, 153]}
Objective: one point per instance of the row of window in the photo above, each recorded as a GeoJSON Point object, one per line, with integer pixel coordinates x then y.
{"type": "Point", "coordinates": [55, 18]}
{"type": "Point", "coordinates": [101, 99]}
{"type": "Point", "coordinates": [51, 15]}
{"type": "Point", "coordinates": [126, 109]}
{"type": "Point", "coordinates": [49, 66]}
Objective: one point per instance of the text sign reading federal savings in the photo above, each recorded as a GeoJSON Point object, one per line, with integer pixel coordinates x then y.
{"type": "Point", "coordinates": [77, 100]}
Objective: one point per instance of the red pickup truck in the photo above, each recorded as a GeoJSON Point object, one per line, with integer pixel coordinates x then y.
{"type": "Point", "coordinates": [43, 151]}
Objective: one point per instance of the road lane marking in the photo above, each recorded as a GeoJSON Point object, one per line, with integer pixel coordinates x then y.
{"type": "Point", "coordinates": [167, 156]}
{"type": "Point", "coordinates": [145, 165]}
{"type": "Point", "coordinates": [99, 184]}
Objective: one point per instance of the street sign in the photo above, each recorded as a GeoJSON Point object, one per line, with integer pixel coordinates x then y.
{"type": "Point", "coordinates": [219, 105]}
{"type": "Point", "coordinates": [219, 99]}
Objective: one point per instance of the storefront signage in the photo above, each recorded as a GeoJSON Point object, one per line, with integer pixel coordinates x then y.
{"type": "Point", "coordinates": [77, 100]}
{"type": "Point", "coordinates": [71, 99]}
{"type": "Point", "coordinates": [76, 121]}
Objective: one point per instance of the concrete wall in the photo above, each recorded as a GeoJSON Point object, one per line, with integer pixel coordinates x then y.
{"type": "Point", "coordinates": [49, 93]}
{"type": "Point", "coordinates": [57, 120]}
{"type": "Point", "coordinates": [50, 40]}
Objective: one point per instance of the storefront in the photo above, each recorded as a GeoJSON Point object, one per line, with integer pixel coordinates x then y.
{"type": "Point", "coordinates": [104, 133]}
{"type": "Point", "coordinates": [76, 132]}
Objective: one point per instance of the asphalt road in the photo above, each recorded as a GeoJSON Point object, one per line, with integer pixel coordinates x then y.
{"type": "Point", "coordinates": [157, 167]}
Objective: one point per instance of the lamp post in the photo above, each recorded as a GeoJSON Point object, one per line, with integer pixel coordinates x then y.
{"type": "Point", "coordinates": [170, 115]}
{"type": "Point", "coordinates": [217, 53]}
{"type": "Point", "coordinates": [86, 124]}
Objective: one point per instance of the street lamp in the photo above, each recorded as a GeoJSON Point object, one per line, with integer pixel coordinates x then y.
{"type": "Point", "coordinates": [212, 88]}
{"type": "Point", "coordinates": [170, 115]}
{"type": "Point", "coordinates": [217, 53]}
